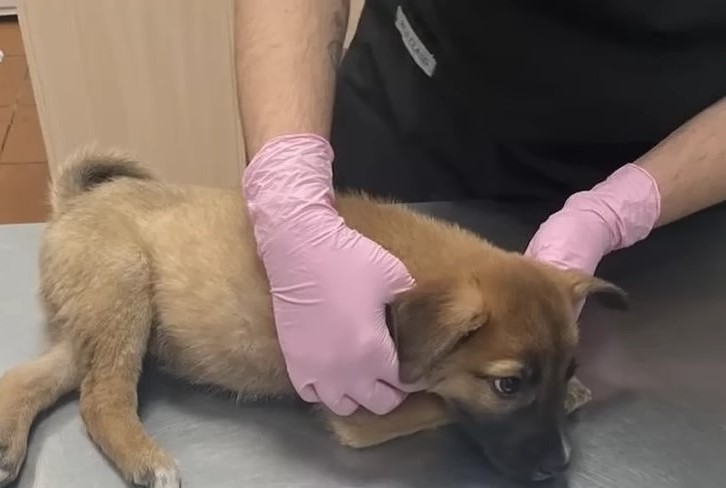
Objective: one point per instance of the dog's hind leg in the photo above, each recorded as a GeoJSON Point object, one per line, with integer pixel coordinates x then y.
{"type": "Point", "coordinates": [25, 391]}
{"type": "Point", "coordinates": [109, 399]}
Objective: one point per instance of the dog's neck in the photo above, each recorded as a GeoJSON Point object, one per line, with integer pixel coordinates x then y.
{"type": "Point", "coordinates": [423, 244]}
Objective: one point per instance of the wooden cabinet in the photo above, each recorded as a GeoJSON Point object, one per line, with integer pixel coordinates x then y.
{"type": "Point", "coordinates": [154, 77]}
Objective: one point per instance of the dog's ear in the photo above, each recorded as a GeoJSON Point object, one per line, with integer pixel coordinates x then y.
{"type": "Point", "coordinates": [429, 321]}
{"type": "Point", "coordinates": [582, 285]}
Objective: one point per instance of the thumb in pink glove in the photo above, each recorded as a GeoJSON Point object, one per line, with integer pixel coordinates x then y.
{"type": "Point", "coordinates": [329, 284]}
{"type": "Point", "coordinates": [615, 214]}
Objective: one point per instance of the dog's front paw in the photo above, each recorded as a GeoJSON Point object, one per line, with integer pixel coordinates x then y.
{"type": "Point", "coordinates": [578, 395]}
{"type": "Point", "coordinates": [166, 476]}
{"type": "Point", "coordinates": [351, 436]}
{"type": "Point", "coordinates": [10, 461]}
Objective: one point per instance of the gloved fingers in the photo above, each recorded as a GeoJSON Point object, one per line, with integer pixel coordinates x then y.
{"type": "Point", "coordinates": [308, 394]}
{"type": "Point", "coordinates": [388, 369]}
{"type": "Point", "coordinates": [338, 403]}
{"type": "Point", "coordinates": [379, 397]}
{"type": "Point", "coordinates": [396, 277]}
{"type": "Point", "coordinates": [391, 376]}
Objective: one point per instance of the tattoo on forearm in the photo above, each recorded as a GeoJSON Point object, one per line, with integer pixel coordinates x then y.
{"type": "Point", "coordinates": [335, 51]}
{"type": "Point", "coordinates": [335, 46]}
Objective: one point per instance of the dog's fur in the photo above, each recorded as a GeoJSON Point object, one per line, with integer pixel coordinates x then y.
{"type": "Point", "coordinates": [131, 266]}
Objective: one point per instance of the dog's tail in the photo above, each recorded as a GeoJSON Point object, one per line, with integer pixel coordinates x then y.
{"type": "Point", "coordinates": [90, 167]}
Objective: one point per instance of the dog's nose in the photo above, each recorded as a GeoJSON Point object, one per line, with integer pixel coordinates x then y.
{"type": "Point", "coordinates": [557, 460]}
{"type": "Point", "coordinates": [552, 467]}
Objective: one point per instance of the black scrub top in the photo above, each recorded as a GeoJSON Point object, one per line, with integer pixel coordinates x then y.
{"type": "Point", "coordinates": [523, 99]}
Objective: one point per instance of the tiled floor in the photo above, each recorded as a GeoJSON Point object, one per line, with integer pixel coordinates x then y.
{"type": "Point", "coordinates": [23, 163]}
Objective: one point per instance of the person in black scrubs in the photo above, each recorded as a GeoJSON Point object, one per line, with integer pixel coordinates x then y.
{"type": "Point", "coordinates": [609, 116]}
{"type": "Point", "coordinates": [520, 99]}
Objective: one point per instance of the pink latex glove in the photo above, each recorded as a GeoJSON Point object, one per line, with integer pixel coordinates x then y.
{"type": "Point", "coordinates": [329, 283]}
{"type": "Point", "coordinates": [615, 214]}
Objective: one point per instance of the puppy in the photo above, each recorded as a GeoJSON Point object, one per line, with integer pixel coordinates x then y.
{"type": "Point", "coordinates": [131, 266]}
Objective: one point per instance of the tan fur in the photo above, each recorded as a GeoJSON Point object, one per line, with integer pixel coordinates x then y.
{"type": "Point", "coordinates": [503, 367]}
{"type": "Point", "coordinates": [136, 266]}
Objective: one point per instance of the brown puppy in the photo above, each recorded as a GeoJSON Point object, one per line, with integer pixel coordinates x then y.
{"type": "Point", "coordinates": [131, 266]}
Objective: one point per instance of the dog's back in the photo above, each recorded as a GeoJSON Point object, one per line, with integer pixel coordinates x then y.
{"type": "Point", "coordinates": [183, 258]}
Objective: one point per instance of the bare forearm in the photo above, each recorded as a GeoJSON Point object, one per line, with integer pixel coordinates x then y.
{"type": "Point", "coordinates": [288, 53]}
{"type": "Point", "coordinates": [689, 166]}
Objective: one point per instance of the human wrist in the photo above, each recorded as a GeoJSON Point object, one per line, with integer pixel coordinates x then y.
{"type": "Point", "coordinates": [289, 172]}
{"type": "Point", "coordinates": [290, 162]}
{"type": "Point", "coordinates": [627, 203]}
{"type": "Point", "coordinates": [289, 179]}
{"type": "Point", "coordinates": [614, 214]}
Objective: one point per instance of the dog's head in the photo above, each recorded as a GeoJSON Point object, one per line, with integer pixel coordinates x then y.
{"type": "Point", "coordinates": [497, 344]}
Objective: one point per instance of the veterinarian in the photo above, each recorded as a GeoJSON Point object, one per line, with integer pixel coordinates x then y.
{"type": "Point", "coordinates": [611, 114]}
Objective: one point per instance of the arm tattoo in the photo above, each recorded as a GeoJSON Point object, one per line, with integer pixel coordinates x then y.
{"type": "Point", "coordinates": [335, 46]}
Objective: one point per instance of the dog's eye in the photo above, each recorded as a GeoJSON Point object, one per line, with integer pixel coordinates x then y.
{"type": "Point", "coordinates": [508, 386]}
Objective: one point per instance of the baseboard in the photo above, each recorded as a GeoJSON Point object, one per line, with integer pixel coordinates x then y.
{"type": "Point", "coordinates": [8, 7]}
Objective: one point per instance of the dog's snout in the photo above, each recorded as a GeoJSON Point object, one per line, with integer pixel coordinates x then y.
{"type": "Point", "coordinates": [556, 459]}
{"type": "Point", "coordinates": [528, 446]}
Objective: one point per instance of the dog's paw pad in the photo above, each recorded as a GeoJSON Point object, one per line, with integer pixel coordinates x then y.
{"type": "Point", "coordinates": [159, 478]}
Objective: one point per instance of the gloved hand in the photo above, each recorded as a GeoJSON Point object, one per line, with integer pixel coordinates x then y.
{"type": "Point", "coordinates": [616, 213]}
{"type": "Point", "coordinates": [329, 283]}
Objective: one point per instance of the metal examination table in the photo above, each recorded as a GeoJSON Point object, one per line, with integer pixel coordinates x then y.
{"type": "Point", "coordinates": [658, 418]}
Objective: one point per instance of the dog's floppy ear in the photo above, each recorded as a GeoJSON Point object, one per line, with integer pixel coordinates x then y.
{"type": "Point", "coordinates": [429, 321]}
{"type": "Point", "coordinates": [582, 285]}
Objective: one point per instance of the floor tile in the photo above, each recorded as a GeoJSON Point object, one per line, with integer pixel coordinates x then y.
{"type": "Point", "coordinates": [26, 96]}
{"type": "Point", "coordinates": [24, 193]}
{"type": "Point", "coordinates": [12, 74]}
{"type": "Point", "coordinates": [6, 116]}
{"type": "Point", "coordinates": [24, 142]}
{"type": "Point", "coordinates": [11, 42]}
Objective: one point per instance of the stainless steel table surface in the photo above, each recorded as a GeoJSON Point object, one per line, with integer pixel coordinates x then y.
{"type": "Point", "coordinates": [658, 418]}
